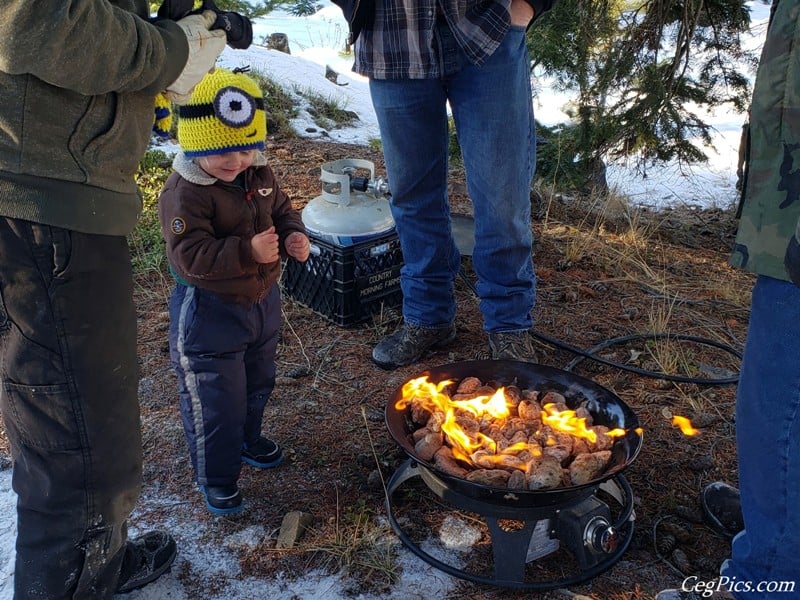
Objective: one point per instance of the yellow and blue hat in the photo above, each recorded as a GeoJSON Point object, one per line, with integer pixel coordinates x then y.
{"type": "Point", "coordinates": [225, 114]}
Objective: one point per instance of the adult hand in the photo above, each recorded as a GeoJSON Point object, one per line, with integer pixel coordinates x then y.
{"type": "Point", "coordinates": [204, 48]}
{"type": "Point", "coordinates": [297, 246]}
{"type": "Point", "coordinates": [265, 246]}
{"type": "Point", "coordinates": [521, 13]}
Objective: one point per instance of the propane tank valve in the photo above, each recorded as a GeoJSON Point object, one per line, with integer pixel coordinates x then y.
{"type": "Point", "coordinates": [377, 186]}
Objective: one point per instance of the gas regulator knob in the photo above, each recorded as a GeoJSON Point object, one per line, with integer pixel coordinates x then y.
{"type": "Point", "coordinates": [600, 536]}
{"type": "Point", "coordinates": [379, 186]}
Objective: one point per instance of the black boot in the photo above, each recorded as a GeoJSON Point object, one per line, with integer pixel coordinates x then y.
{"type": "Point", "coordinates": [223, 499]}
{"type": "Point", "coordinates": [147, 557]}
{"type": "Point", "coordinates": [722, 509]}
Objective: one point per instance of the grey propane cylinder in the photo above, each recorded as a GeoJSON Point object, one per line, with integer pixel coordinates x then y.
{"type": "Point", "coordinates": [353, 206]}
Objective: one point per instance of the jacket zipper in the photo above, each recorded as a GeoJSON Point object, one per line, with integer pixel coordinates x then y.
{"type": "Point", "coordinates": [249, 196]}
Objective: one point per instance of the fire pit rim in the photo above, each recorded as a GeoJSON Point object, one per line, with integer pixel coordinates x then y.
{"type": "Point", "coordinates": [613, 411]}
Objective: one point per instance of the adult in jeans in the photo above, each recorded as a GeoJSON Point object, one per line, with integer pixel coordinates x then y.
{"type": "Point", "coordinates": [421, 57]}
{"type": "Point", "coordinates": [78, 81]}
{"type": "Point", "coordinates": [767, 552]}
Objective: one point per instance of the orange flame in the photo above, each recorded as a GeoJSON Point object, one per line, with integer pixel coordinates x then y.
{"type": "Point", "coordinates": [685, 425]}
{"type": "Point", "coordinates": [568, 422]}
{"type": "Point", "coordinates": [471, 446]}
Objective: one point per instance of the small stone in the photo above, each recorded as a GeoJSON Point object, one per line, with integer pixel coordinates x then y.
{"type": "Point", "coordinates": [293, 528]}
{"type": "Point", "coordinates": [681, 561]}
{"type": "Point", "coordinates": [279, 42]}
{"type": "Point", "coordinates": [458, 535]}
{"type": "Point", "coordinates": [375, 480]}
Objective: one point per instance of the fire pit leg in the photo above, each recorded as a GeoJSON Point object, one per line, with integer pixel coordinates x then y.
{"type": "Point", "coordinates": [510, 556]}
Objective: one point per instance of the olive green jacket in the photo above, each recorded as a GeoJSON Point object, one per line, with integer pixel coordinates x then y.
{"type": "Point", "coordinates": [771, 202]}
{"type": "Point", "coordinates": [78, 80]}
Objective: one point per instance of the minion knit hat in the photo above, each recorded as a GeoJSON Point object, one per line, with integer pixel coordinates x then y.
{"type": "Point", "coordinates": [225, 114]}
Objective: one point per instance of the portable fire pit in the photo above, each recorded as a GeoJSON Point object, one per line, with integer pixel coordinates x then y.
{"type": "Point", "coordinates": [583, 528]}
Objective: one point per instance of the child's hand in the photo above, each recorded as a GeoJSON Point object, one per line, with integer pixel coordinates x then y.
{"type": "Point", "coordinates": [297, 246]}
{"type": "Point", "coordinates": [265, 246]}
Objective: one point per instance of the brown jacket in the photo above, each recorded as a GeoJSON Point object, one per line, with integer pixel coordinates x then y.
{"type": "Point", "coordinates": [208, 225]}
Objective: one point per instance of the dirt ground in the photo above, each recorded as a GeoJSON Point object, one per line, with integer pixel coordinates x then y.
{"type": "Point", "coordinates": [601, 275]}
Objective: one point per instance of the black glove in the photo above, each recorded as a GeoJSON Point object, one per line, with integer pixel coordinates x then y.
{"type": "Point", "coordinates": [238, 28]}
{"type": "Point", "coordinates": [792, 258]}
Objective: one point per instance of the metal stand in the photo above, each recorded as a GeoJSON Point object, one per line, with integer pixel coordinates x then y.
{"type": "Point", "coordinates": [512, 550]}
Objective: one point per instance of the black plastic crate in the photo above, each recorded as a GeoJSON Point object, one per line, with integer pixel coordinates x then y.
{"type": "Point", "coordinates": [347, 284]}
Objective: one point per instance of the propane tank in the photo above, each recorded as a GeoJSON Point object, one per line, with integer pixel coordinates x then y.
{"type": "Point", "coordinates": [352, 209]}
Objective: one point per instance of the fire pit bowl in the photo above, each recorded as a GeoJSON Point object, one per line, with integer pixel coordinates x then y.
{"type": "Point", "coordinates": [605, 407]}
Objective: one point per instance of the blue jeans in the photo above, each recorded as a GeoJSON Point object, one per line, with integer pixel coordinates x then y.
{"type": "Point", "coordinates": [493, 115]}
{"type": "Point", "coordinates": [768, 444]}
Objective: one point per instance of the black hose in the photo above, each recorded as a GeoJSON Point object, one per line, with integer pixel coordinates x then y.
{"type": "Point", "coordinates": [591, 355]}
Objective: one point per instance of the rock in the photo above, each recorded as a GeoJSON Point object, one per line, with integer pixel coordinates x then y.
{"type": "Point", "coordinates": [332, 76]}
{"type": "Point", "coordinates": [681, 561]}
{"type": "Point", "coordinates": [293, 527]}
{"type": "Point", "coordinates": [458, 535]}
{"type": "Point", "coordinates": [375, 480]}
{"type": "Point", "coordinates": [279, 42]}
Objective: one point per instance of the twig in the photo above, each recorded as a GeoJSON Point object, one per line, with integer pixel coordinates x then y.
{"type": "Point", "coordinates": [374, 452]}
{"type": "Point", "coordinates": [297, 337]}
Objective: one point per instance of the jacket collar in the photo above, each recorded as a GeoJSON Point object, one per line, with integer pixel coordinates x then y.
{"type": "Point", "coordinates": [191, 171]}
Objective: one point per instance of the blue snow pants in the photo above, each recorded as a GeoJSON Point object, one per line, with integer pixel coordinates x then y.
{"type": "Point", "coordinates": [224, 356]}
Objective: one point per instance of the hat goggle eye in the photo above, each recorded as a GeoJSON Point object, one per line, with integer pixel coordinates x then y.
{"type": "Point", "coordinates": [234, 107]}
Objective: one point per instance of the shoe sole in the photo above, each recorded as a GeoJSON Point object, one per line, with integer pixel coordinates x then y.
{"type": "Point", "coordinates": [224, 511]}
{"type": "Point", "coordinates": [263, 465]}
{"type": "Point", "coordinates": [389, 366]}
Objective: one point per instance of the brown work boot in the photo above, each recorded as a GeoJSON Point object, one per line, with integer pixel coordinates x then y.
{"type": "Point", "coordinates": [515, 345]}
{"type": "Point", "coordinates": [409, 344]}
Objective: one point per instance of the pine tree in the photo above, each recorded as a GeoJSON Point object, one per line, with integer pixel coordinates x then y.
{"type": "Point", "coordinates": [638, 69]}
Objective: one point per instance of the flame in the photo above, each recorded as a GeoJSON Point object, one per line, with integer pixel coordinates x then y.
{"type": "Point", "coordinates": [568, 422]}
{"type": "Point", "coordinates": [474, 447]}
{"type": "Point", "coordinates": [685, 425]}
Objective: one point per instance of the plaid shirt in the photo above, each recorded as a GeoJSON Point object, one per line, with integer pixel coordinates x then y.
{"type": "Point", "coordinates": [399, 43]}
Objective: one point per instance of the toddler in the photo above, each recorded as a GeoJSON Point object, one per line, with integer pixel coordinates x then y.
{"type": "Point", "coordinates": [226, 223]}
